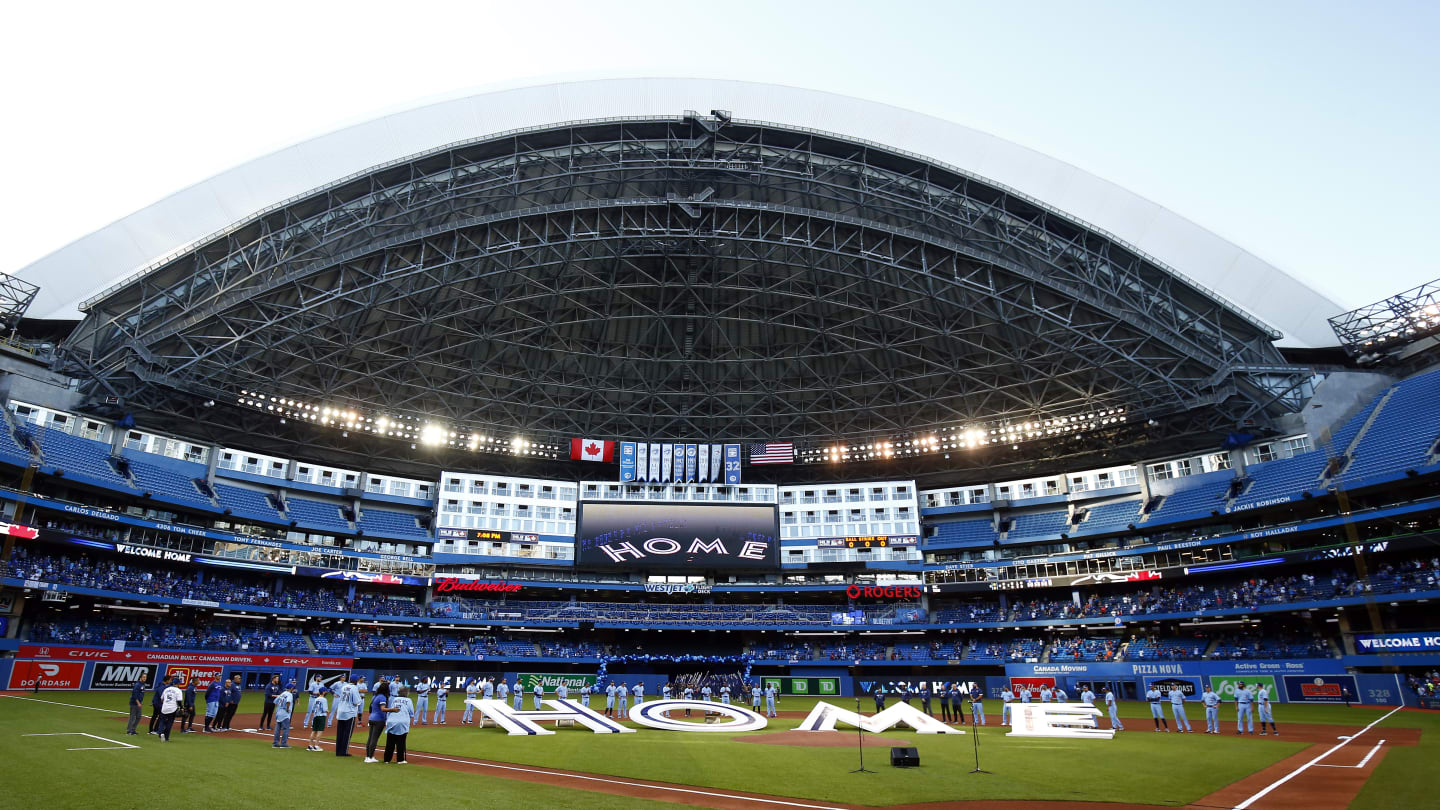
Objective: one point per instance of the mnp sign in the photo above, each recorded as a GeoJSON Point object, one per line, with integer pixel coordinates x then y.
{"type": "Point", "coordinates": [120, 676]}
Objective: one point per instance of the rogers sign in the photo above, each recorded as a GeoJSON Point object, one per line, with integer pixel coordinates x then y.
{"type": "Point", "coordinates": [453, 585]}
{"type": "Point", "coordinates": [884, 591]}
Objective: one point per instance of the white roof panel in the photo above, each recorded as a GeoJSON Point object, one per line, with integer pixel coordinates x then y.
{"type": "Point", "coordinates": [108, 256]}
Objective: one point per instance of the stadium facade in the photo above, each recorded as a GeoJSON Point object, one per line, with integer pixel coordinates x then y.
{"type": "Point", "coordinates": [990, 415]}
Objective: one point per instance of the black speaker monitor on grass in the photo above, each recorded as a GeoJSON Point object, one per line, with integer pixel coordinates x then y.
{"type": "Point", "coordinates": [904, 757]}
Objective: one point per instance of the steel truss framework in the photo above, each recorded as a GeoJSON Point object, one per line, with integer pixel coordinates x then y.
{"type": "Point", "coordinates": [685, 278]}
{"type": "Point", "coordinates": [1397, 321]}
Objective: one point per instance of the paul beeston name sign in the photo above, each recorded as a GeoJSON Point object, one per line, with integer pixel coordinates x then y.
{"type": "Point", "coordinates": [1075, 720]}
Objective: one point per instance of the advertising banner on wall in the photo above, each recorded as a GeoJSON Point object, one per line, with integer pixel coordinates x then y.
{"type": "Point", "coordinates": [121, 676]}
{"type": "Point", "coordinates": [1189, 686]}
{"type": "Point", "coordinates": [1226, 685]}
{"type": "Point", "coordinates": [823, 687]}
{"type": "Point", "coordinates": [203, 675]}
{"type": "Point", "coordinates": [50, 674]}
{"type": "Point", "coordinates": [549, 680]}
{"type": "Point", "coordinates": [1033, 683]}
{"type": "Point", "coordinates": [1319, 688]}
{"type": "Point", "coordinates": [450, 678]}
{"type": "Point", "coordinates": [1373, 643]}
{"type": "Point", "coordinates": [182, 657]}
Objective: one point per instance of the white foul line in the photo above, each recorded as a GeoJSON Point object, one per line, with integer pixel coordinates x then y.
{"type": "Point", "coordinates": [118, 745]}
{"type": "Point", "coordinates": [581, 777]}
{"type": "Point", "coordinates": [58, 703]}
{"type": "Point", "coordinates": [1363, 762]}
{"type": "Point", "coordinates": [1286, 778]}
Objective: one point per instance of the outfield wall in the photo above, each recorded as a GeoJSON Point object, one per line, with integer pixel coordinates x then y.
{"type": "Point", "coordinates": [1319, 680]}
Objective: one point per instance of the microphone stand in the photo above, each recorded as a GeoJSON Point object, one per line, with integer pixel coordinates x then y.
{"type": "Point", "coordinates": [860, 736]}
{"type": "Point", "coordinates": [975, 741]}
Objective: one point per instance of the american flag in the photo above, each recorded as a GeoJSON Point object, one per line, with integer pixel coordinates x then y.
{"type": "Point", "coordinates": [772, 453]}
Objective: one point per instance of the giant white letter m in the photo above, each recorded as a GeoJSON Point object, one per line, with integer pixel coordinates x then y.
{"type": "Point", "coordinates": [824, 717]}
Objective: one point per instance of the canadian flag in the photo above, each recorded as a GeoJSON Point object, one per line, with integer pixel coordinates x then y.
{"type": "Point", "coordinates": [592, 450]}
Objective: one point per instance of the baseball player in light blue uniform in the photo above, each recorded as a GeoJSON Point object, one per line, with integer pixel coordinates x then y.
{"type": "Point", "coordinates": [1177, 708]}
{"type": "Point", "coordinates": [622, 700]}
{"type": "Point", "coordinates": [1087, 697]}
{"type": "Point", "coordinates": [442, 696]}
{"type": "Point", "coordinates": [1024, 694]}
{"type": "Point", "coordinates": [561, 691]}
{"type": "Point", "coordinates": [725, 695]}
{"type": "Point", "coordinates": [1061, 696]}
{"type": "Point", "coordinates": [422, 700]}
{"type": "Point", "coordinates": [1212, 711]}
{"type": "Point", "coordinates": [1156, 712]}
{"type": "Point", "coordinates": [502, 691]}
{"type": "Point", "coordinates": [610, 699]}
{"type": "Point", "coordinates": [585, 696]}
{"type": "Point", "coordinates": [536, 695]}
{"type": "Point", "coordinates": [1006, 698]}
{"type": "Point", "coordinates": [755, 697]}
{"type": "Point", "coordinates": [1045, 694]}
{"type": "Point", "coordinates": [1243, 698]}
{"type": "Point", "coordinates": [638, 691]}
{"type": "Point", "coordinates": [770, 701]}
{"type": "Point", "coordinates": [705, 693]}
{"type": "Point", "coordinates": [518, 691]}
{"type": "Point", "coordinates": [471, 693]}
{"type": "Point", "coordinates": [1113, 706]}
{"type": "Point", "coordinates": [1262, 703]}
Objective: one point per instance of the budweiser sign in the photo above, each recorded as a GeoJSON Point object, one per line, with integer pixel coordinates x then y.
{"type": "Point", "coordinates": [454, 585]}
{"type": "Point", "coordinates": [884, 591]}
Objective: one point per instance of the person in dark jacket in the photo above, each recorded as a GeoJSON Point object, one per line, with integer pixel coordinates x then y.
{"type": "Point", "coordinates": [160, 685]}
{"type": "Point", "coordinates": [272, 691]}
{"type": "Point", "coordinates": [228, 699]}
{"type": "Point", "coordinates": [137, 703]}
{"type": "Point", "coordinates": [187, 716]}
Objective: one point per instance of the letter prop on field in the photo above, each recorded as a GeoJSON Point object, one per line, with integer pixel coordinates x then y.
{"type": "Point", "coordinates": [527, 723]}
{"type": "Point", "coordinates": [652, 714]}
{"type": "Point", "coordinates": [824, 717]}
{"type": "Point", "coordinates": [1068, 720]}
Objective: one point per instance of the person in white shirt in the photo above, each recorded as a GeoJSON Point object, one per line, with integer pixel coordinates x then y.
{"type": "Point", "coordinates": [170, 701]}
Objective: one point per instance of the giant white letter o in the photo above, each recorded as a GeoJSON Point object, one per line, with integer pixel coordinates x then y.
{"type": "Point", "coordinates": [652, 715]}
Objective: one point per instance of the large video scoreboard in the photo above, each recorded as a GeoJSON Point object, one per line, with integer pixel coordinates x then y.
{"type": "Point", "coordinates": [654, 536]}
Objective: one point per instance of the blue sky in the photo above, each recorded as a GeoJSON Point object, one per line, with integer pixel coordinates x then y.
{"type": "Point", "coordinates": [1304, 132]}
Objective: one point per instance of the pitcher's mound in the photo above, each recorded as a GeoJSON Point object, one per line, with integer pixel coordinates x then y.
{"type": "Point", "coordinates": [815, 739]}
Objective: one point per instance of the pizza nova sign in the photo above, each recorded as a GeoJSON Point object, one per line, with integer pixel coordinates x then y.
{"type": "Point", "coordinates": [1042, 720]}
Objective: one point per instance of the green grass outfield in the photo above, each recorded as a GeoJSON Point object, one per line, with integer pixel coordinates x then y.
{"type": "Point", "coordinates": [1137, 766]}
